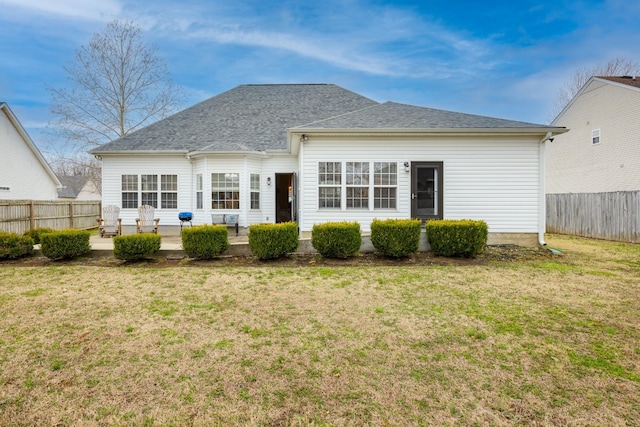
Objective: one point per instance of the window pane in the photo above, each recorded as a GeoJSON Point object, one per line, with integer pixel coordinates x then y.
{"type": "Point", "coordinates": [129, 200]}
{"type": "Point", "coordinates": [384, 198]}
{"type": "Point", "coordinates": [329, 197]}
{"type": "Point", "coordinates": [169, 200]}
{"type": "Point", "coordinates": [225, 191]}
{"type": "Point", "coordinates": [385, 173]}
{"type": "Point", "coordinates": [169, 182]}
{"type": "Point", "coordinates": [150, 199]}
{"type": "Point", "coordinates": [149, 182]}
{"type": "Point", "coordinates": [357, 197]}
{"type": "Point", "coordinates": [255, 182]}
{"type": "Point", "coordinates": [199, 201]}
{"type": "Point", "coordinates": [329, 173]}
{"type": "Point", "coordinates": [199, 182]}
{"type": "Point", "coordinates": [357, 173]}
{"type": "Point", "coordinates": [255, 200]}
{"type": "Point", "coordinates": [129, 182]}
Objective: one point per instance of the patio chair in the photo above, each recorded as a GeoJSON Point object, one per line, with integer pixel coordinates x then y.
{"type": "Point", "coordinates": [146, 223]}
{"type": "Point", "coordinates": [110, 224]}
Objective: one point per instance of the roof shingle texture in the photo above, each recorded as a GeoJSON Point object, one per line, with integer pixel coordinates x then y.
{"type": "Point", "coordinates": [246, 118]}
{"type": "Point", "coordinates": [391, 115]}
{"type": "Point", "coordinates": [73, 185]}
{"type": "Point", "coordinates": [627, 80]}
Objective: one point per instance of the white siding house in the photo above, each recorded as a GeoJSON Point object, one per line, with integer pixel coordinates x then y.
{"type": "Point", "coordinates": [24, 173]}
{"type": "Point", "coordinates": [593, 172]}
{"type": "Point", "coordinates": [602, 151]}
{"type": "Point", "coordinates": [318, 153]}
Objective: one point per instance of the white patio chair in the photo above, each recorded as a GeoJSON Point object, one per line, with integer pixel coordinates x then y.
{"type": "Point", "coordinates": [110, 224]}
{"type": "Point", "coordinates": [146, 223]}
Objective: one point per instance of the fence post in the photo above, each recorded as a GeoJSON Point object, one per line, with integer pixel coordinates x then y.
{"type": "Point", "coordinates": [32, 218]}
{"type": "Point", "coordinates": [71, 214]}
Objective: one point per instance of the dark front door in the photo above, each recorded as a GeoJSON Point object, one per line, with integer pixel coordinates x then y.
{"type": "Point", "coordinates": [285, 197]}
{"type": "Point", "coordinates": [426, 190]}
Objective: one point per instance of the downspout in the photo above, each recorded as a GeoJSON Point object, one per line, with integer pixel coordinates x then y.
{"type": "Point", "coordinates": [542, 200]}
{"type": "Point", "coordinates": [188, 157]}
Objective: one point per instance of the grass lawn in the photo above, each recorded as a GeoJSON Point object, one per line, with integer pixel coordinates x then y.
{"type": "Point", "coordinates": [553, 341]}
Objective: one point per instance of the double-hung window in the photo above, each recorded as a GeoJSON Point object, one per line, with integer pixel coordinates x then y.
{"type": "Point", "coordinates": [129, 191]}
{"type": "Point", "coordinates": [149, 187]}
{"type": "Point", "coordinates": [169, 191]}
{"type": "Point", "coordinates": [595, 136]}
{"type": "Point", "coordinates": [255, 191]}
{"type": "Point", "coordinates": [357, 185]}
{"type": "Point", "coordinates": [225, 191]}
{"type": "Point", "coordinates": [199, 192]}
{"type": "Point", "coordinates": [329, 184]}
{"type": "Point", "coordinates": [385, 182]}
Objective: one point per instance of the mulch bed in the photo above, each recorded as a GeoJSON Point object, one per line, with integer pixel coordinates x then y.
{"type": "Point", "coordinates": [506, 253]}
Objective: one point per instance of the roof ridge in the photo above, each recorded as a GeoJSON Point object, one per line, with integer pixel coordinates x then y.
{"type": "Point", "coordinates": [377, 104]}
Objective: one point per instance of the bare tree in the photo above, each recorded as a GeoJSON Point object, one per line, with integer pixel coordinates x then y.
{"type": "Point", "coordinates": [614, 67]}
{"type": "Point", "coordinates": [118, 84]}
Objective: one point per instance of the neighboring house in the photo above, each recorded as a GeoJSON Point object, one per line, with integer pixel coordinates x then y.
{"type": "Point", "coordinates": [79, 188]}
{"type": "Point", "coordinates": [318, 153]}
{"type": "Point", "coordinates": [593, 172]}
{"type": "Point", "coordinates": [24, 173]}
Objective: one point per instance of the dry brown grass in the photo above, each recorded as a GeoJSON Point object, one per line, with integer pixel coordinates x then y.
{"type": "Point", "coordinates": [544, 342]}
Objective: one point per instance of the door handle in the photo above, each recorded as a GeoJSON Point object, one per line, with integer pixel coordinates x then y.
{"type": "Point", "coordinates": [413, 196]}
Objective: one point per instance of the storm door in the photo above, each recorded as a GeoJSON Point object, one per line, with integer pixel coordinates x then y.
{"type": "Point", "coordinates": [426, 190]}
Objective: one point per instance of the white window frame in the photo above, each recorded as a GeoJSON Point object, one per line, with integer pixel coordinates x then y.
{"type": "Point", "coordinates": [330, 185]}
{"type": "Point", "coordinates": [596, 138]}
{"type": "Point", "coordinates": [199, 192]}
{"type": "Point", "coordinates": [384, 188]}
{"type": "Point", "coordinates": [169, 191]}
{"type": "Point", "coordinates": [254, 189]}
{"type": "Point", "coordinates": [357, 185]}
{"type": "Point", "coordinates": [129, 186]}
{"type": "Point", "coordinates": [381, 188]}
{"type": "Point", "coordinates": [225, 191]}
{"type": "Point", "coordinates": [149, 190]}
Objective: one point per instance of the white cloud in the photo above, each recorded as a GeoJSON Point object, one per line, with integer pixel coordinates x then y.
{"type": "Point", "coordinates": [391, 43]}
{"type": "Point", "coordinates": [89, 10]}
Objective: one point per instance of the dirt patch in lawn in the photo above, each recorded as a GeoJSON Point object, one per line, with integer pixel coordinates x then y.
{"type": "Point", "coordinates": [505, 253]}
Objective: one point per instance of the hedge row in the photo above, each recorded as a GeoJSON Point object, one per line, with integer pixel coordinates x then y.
{"type": "Point", "coordinates": [391, 237]}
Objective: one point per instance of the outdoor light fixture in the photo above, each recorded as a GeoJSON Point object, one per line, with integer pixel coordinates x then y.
{"type": "Point", "coordinates": [304, 138]}
{"type": "Point", "coordinates": [406, 167]}
{"type": "Point", "coordinates": [268, 180]}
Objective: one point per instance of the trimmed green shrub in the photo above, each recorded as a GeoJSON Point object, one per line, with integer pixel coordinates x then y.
{"type": "Point", "coordinates": [65, 244]}
{"type": "Point", "coordinates": [13, 245]}
{"type": "Point", "coordinates": [37, 232]}
{"type": "Point", "coordinates": [205, 241]}
{"type": "Point", "coordinates": [336, 239]}
{"type": "Point", "coordinates": [459, 238]}
{"type": "Point", "coordinates": [134, 247]}
{"type": "Point", "coordinates": [396, 238]}
{"type": "Point", "coordinates": [269, 241]}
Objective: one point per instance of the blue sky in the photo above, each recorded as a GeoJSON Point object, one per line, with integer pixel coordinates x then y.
{"type": "Point", "coordinates": [500, 58]}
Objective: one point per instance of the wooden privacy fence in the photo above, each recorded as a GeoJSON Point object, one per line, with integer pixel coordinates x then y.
{"type": "Point", "coordinates": [609, 216]}
{"type": "Point", "coordinates": [18, 216]}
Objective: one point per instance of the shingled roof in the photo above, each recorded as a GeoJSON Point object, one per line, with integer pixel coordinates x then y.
{"type": "Point", "coordinates": [627, 80]}
{"type": "Point", "coordinates": [391, 115]}
{"type": "Point", "coordinates": [246, 118]}
{"type": "Point", "coordinates": [72, 186]}
{"type": "Point", "coordinates": [254, 118]}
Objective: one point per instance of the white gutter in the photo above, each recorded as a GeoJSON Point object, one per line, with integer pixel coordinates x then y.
{"type": "Point", "coordinates": [542, 200]}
